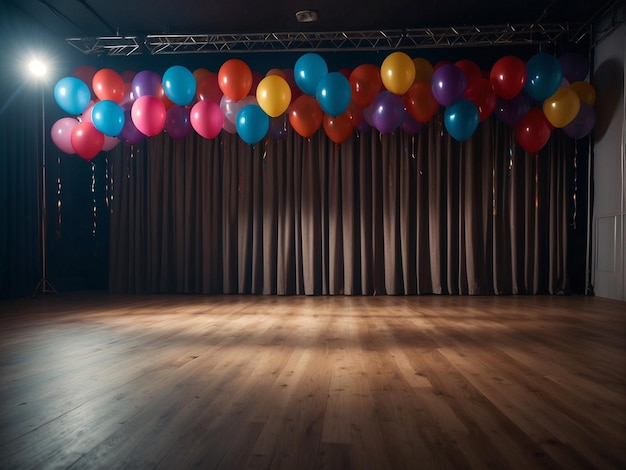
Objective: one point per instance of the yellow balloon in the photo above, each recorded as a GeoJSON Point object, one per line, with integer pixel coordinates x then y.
{"type": "Point", "coordinates": [562, 107]}
{"type": "Point", "coordinates": [273, 95]}
{"type": "Point", "coordinates": [585, 91]}
{"type": "Point", "coordinates": [423, 70]}
{"type": "Point", "coordinates": [397, 72]}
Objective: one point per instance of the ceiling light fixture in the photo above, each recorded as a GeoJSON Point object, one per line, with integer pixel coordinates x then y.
{"type": "Point", "coordinates": [306, 16]}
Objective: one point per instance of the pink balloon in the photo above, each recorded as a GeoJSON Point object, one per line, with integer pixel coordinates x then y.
{"type": "Point", "coordinates": [109, 143]}
{"type": "Point", "coordinates": [230, 108]}
{"type": "Point", "coordinates": [86, 116]}
{"type": "Point", "coordinates": [207, 119]}
{"type": "Point", "coordinates": [148, 114]}
{"type": "Point", "coordinates": [61, 134]}
{"type": "Point", "coordinates": [230, 127]}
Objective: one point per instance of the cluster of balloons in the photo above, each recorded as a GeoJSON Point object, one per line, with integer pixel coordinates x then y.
{"type": "Point", "coordinates": [403, 93]}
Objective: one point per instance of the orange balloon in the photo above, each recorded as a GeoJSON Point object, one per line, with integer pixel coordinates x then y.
{"type": "Point", "coordinates": [338, 128]}
{"type": "Point", "coordinates": [235, 79]}
{"type": "Point", "coordinates": [355, 114]}
{"type": "Point", "coordinates": [278, 72]}
{"type": "Point", "coordinates": [305, 115]}
{"type": "Point", "coordinates": [108, 85]}
{"type": "Point", "coordinates": [420, 102]}
{"type": "Point", "coordinates": [365, 83]}
{"type": "Point", "coordinates": [201, 74]}
{"type": "Point", "coordinates": [585, 91]}
{"type": "Point", "coordinates": [423, 70]}
{"type": "Point", "coordinates": [562, 107]}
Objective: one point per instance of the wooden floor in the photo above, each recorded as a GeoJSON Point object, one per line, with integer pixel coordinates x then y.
{"type": "Point", "coordinates": [174, 382]}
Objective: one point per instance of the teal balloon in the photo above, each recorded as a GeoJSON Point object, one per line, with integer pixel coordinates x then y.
{"type": "Point", "coordinates": [308, 71]}
{"type": "Point", "coordinates": [544, 75]}
{"type": "Point", "coordinates": [72, 95]}
{"type": "Point", "coordinates": [179, 85]}
{"type": "Point", "coordinates": [108, 117]}
{"type": "Point", "coordinates": [334, 93]}
{"type": "Point", "coordinates": [461, 119]}
{"type": "Point", "coordinates": [252, 123]}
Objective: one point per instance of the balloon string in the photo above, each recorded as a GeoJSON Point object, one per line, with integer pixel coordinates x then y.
{"type": "Point", "coordinates": [130, 158]}
{"type": "Point", "coordinates": [94, 227]}
{"type": "Point", "coordinates": [59, 187]}
{"type": "Point", "coordinates": [575, 184]}
{"type": "Point", "coordinates": [413, 147]}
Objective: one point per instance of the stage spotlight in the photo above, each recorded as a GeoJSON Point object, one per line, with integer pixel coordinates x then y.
{"type": "Point", "coordinates": [37, 68]}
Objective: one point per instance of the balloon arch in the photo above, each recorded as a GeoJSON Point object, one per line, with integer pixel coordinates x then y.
{"type": "Point", "coordinates": [533, 97]}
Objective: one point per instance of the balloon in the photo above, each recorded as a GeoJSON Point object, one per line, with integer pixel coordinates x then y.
{"type": "Point", "coordinates": [86, 116]}
{"type": "Point", "coordinates": [585, 91]}
{"type": "Point", "coordinates": [410, 125]}
{"type": "Point", "coordinates": [72, 95]}
{"type": "Point", "coordinates": [85, 74]}
{"type": "Point", "coordinates": [179, 85]}
{"type": "Point", "coordinates": [365, 83]}
{"type": "Point", "coordinates": [543, 76]}
{"type": "Point", "coordinates": [469, 68]}
{"type": "Point", "coordinates": [420, 102]}
{"type": "Point", "coordinates": [278, 127]}
{"type": "Point", "coordinates": [235, 79]}
{"type": "Point", "coordinates": [163, 98]}
{"type": "Point", "coordinates": [508, 76]}
{"type": "Point", "coordinates": [355, 114]}
{"type": "Point", "coordinates": [388, 112]}
{"type": "Point", "coordinates": [423, 70]}
{"type": "Point", "coordinates": [440, 64]}
{"type": "Point", "coordinates": [230, 108]}
{"type": "Point", "coordinates": [109, 143]}
{"type": "Point", "coordinates": [461, 119]}
{"type": "Point", "coordinates": [364, 126]}
{"type": "Point", "coordinates": [582, 124]}
{"type": "Point", "coordinates": [208, 89]}
{"type": "Point", "coordinates": [334, 93]}
{"type": "Point", "coordinates": [252, 123]}
{"type": "Point", "coordinates": [130, 134]}
{"type": "Point", "coordinates": [177, 122]}
{"type": "Point", "coordinates": [108, 85]}
{"type": "Point", "coordinates": [278, 72]}
{"type": "Point", "coordinates": [61, 134]}
{"type": "Point", "coordinates": [201, 74]}
{"type": "Point", "coordinates": [575, 66]}
{"type": "Point", "coordinates": [148, 115]}
{"type": "Point", "coordinates": [146, 83]}
{"type": "Point", "coordinates": [480, 92]}
{"type": "Point", "coordinates": [562, 107]}
{"type": "Point", "coordinates": [230, 127]}
{"type": "Point", "coordinates": [273, 95]}
{"type": "Point", "coordinates": [448, 84]}
{"type": "Point", "coordinates": [108, 117]}
{"type": "Point", "coordinates": [397, 72]}
{"type": "Point", "coordinates": [87, 141]}
{"type": "Point", "coordinates": [305, 115]}
{"type": "Point", "coordinates": [128, 75]}
{"type": "Point", "coordinates": [256, 79]}
{"type": "Point", "coordinates": [533, 131]}
{"type": "Point", "coordinates": [511, 111]}
{"type": "Point", "coordinates": [308, 71]}
{"type": "Point", "coordinates": [345, 72]}
{"type": "Point", "coordinates": [338, 128]}
{"type": "Point", "coordinates": [207, 119]}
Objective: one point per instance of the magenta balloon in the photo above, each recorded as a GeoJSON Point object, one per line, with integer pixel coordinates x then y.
{"type": "Point", "coordinates": [207, 119]}
{"type": "Point", "coordinates": [177, 122]}
{"type": "Point", "coordinates": [448, 84]}
{"type": "Point", "coordinates": [146, 83]}
{"type": "Point", "coordinates": [61, 134]}
{"type": "Point", "coordinates": [148, 115]}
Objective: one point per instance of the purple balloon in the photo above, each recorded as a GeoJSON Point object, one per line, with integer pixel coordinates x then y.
{"type": "Point", "coordinates": [582, 124]}
{"type": "Point", "coordinates": [130, 134]}
{"type": "Point", "coordinates": [145, 83]}
{"type": "Point", "coordinates": [410, 125]}
{"type": "Point", "coordinates": [575, 66]}
{"type": "Point", "coordinates": [512, 111]}
{"type": "Point", "coordinates": [388, 112]}
{"type": "Point", "coordinates": [177, 123]}
{"type": "Point", "coordinates": [448, 84]}
{"type": "Point", "coordinates": [364, 126]}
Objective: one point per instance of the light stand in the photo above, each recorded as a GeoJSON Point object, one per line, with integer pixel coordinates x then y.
{"type": "Point", "coordinates": [43, 286]}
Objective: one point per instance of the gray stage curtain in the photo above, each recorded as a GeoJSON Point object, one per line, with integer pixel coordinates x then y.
{"type": "Point", "coordinates": [378, 214]}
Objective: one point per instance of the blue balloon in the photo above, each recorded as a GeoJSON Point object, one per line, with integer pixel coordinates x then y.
{"type": "Point", "coordinates": [334, 93]}
{"type": "Point", "coordinates": [72, 95]}
{"type": "Point", "coordinates": [252, 123]}
{"type": "Point", "coordinates": [461, 119]}
{"type": "Point", "coordinates": [108, 117]}
{"type": "Point", "coordinates": [544, 75]}
{"type": "Point", "coordinates": [308, 71]}
{"type": "Point", "coordinates": [179, 85]}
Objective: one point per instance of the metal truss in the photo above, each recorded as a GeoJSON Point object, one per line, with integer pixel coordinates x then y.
{"type": "Point", "coordinates": [423, 38]}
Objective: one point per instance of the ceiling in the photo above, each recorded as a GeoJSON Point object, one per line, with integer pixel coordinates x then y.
{"type": "Point", "coordinates": [91, 18]}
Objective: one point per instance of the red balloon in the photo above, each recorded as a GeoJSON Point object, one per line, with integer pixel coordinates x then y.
{"type": "Point", "coordinates": [355, 114]}
{"type": "Point", "coordinates": [256, 79]}
{"type": "Point", "coordinates": [87, 141]}
{"type": "Point", "coordinates": [108, 85]}
{"type": "Point", "coordinates": [470, 69]}
{"type": "Point", "coordinates": [533, 131]}
{"type": "Point", "coordinates": [508, 76]}
{"type": "Point", "coordinates": [163, 97]}
{"type": "Point", "coordinates": [480, 92]}
{"type": "Point", "coordinates": [85, 73]}
{"type": "Point", "coordinates": [148, 115]}
{"type": "Point", "coordinates": [305, 115]}
{"type": "Point", "coordinates": [208, 89]}
{"type": "Point", "coordinates": [366, 83]}
{"type": "Point", "coordinates": [420, 102]}
{"type": "Point", "coordinates": [337, 128]}
{"type": "Point", "coordinates": [235, 79]}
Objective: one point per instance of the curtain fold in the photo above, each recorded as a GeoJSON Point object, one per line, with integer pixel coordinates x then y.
{"type": "Point", "coordinates": [378, 214]}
